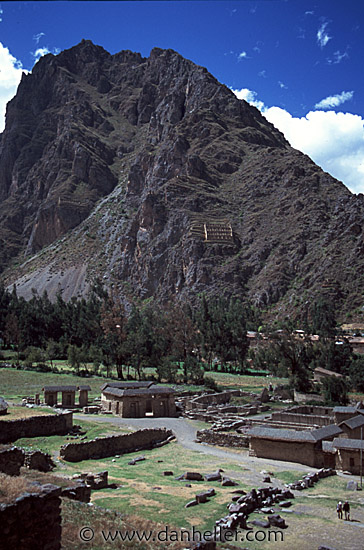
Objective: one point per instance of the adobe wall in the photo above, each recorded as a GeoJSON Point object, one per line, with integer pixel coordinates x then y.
{"type": "Point", "coordinates": [342, 461]}
{"type": "Point", "coordinates": [35, 426]}
{"type": "Point", "coordinates": [116, 444]}
{"type": "Point", "coordinates": [306, 419]}
{"type": "Point", "coordinates": [222, 439]}
{"type": "Point", "coordinates": [311, 409]}
{"type": "Point", "coordinates": [32, 521]}
{"type": "Point", "coordinates": [303, 453]}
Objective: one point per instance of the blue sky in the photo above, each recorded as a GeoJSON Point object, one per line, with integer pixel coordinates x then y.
{"type": "Point", "coordinates": [298, 61]}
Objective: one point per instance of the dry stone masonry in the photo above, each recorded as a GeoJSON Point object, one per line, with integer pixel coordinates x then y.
{"type": "Point", "coordinates": [32, 521]}
{"type": "Point", "coordinates": [35, 426]}
{"type": "Point", "coordinates": [117, 444]}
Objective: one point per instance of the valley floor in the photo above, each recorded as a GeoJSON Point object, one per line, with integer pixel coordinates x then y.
{"type": "Point", "coordinates": [312, 519]}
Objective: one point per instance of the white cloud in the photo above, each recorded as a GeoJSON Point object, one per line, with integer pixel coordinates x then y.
{"type": "Point", "coordinates": [263, 73]}
{"type": "Point", "coordinates": [250, 97]}
{"type": "Point", "coordinates": [334, 100]}
{"type": "Point", "coordinates": [1, 14]}
{"type": "Point", "coordinates": [40, 52]}
{"type": "Point", "coordinates": [338, 57]}
{"type": "Point", "coordinates": [322, 35]}
{"type": "Point", "coordinates": [242, 55]}
{"type": "Point", "coordinates": [334, 141]}
{"type": "Point", "coordinates": [282, 85]}
{"type": "Point", "coordinates": [38, 36]}
{"type": "Point", "coordinates": [10, 75]}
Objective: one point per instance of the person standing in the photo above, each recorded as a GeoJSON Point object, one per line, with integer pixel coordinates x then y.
{"type": "Point", "coordinates": [339, 509]}
{"type": "Point", "coordinates": [346, 509]}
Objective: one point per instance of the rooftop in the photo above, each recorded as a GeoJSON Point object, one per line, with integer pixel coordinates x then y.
{"type": "Point", "coordinates": [126, 385]}
{"type": "Point", "coordinates": [343, 443]}
{"type": "Point", "coordinates": [280, 434]}
{"type": "Point", "coordinates": [354, 422]}
{"type": "Point", "coordinates": [154, 390]}
{"type": "Point", "coordinates": [59, 388]}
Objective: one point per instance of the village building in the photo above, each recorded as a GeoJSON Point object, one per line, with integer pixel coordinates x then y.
{"type": "Point", "coordinates": [344, 413]}
{"type": "Point", "coordinates": [320, 373]}
{"type": "Point", "coordinates": [357, 343]}
{"type": "Point", "coordinates": [130, 401]}
{"type": "Point", "coordinates": [348, 453]}
{"type": "Point", "coordinates": [353, 427]}
{"type": "Point", "coordinates": [302, 446]}
{"type": "Point", "coordinates": [68, 393]}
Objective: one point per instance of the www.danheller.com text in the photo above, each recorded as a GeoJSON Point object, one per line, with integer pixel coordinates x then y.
{"type": "Point", "coordinates": [87, 534]}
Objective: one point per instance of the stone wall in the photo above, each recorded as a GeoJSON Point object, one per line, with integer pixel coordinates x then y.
{"type": "Point", "coordinates": [211, 399]}
{"type": "Point", "coordinates": [304, 419]}
{"type": "Point", "coordinates": [116, 444]}
{"type": "Point", "coordinates": [223, 439]}
{"type": "Point", "coordinates": [303, 452]}
{"type": "Point", "coordinates": [11, 460]}
{"type": "Point", "coordinates": [32, 521]}
{"type": "Point", "coordinates": [35, 426]}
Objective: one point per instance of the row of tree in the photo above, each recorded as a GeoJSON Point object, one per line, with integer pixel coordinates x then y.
{"type": "Point", "coordinates": [99, 329]}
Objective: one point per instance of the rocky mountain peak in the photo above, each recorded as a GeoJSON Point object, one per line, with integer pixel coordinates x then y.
{"type": "Point", "coordinates": [151, 174]}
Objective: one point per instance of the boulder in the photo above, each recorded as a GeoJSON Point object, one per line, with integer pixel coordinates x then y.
{"type": "Point", "coordinates": [192, 476]}
{"type": "Point", "coordinates": [227, 482]}
{"type": "Point", "coordinates": [191, 503]}
{"type": "Point", "coordinates": [3, 406]}
{"type": "Point", "coordinates": [275, 520]}
{"type": "Point", "coordinates": [352, 485]}
{"type": "Point", "coordinates": [260, 523]}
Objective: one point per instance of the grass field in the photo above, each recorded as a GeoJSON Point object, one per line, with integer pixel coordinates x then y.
{"type": "Point", "coordinates": [153, 499]}
{"type": "Point", "coordinates": [16, 384]}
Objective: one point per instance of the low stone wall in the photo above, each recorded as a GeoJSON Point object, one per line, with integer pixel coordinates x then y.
{"type": "Point", "coordinates": [211, 399]}
{"type": "Point", "coordinates": [36, 460]}
{"type": "Point", "coordinates": [11, 460]}
{"type": "Point", "coordinates": [35, 426]}
{"type": "Point", "coordinates": [222, 439]}
{"type": "Point", "coordinates": [32, 521]}
{"type": "Point", "coordinates": [79, 491]}
{"type": "Point", "coordinates": [116, 444]}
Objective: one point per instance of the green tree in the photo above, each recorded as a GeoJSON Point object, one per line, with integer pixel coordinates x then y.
{"type": "Point", "coordinates": [335, 390]}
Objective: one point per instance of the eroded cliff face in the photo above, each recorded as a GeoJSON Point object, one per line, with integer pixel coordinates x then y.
{"type": "Point", "coordinates": [115, 165]}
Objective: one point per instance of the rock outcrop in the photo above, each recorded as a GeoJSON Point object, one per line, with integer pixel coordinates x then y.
{"type": "Point", "coordinates": [149, 173]}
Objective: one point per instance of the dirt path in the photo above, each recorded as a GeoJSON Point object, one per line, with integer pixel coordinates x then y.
{"type": "Point", "coordinates": [185, 432]}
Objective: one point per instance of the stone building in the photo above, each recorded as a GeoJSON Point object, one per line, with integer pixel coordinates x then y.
{"type": "Point", "coordinates": [320, 373]}
{"type": "Point", "coordinates": [348, 455]}
{"type": "Point", "coordinates": [344, 413]}
{"type": "Point", "coordinates": [353, 427]}
{"type": "Point", "coordinates": [68, 393]}
{"type": "Point", "coordinates": [302, 446]}
{"type": "Point", "coordinates": [130, 401]}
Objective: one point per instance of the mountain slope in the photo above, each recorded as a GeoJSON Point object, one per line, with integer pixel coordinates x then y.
{"type": "Point", "coordinates": [149, 173]}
